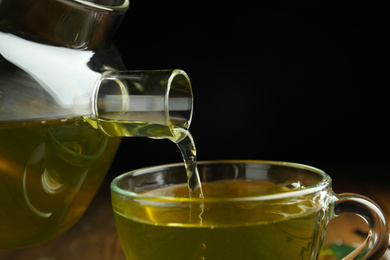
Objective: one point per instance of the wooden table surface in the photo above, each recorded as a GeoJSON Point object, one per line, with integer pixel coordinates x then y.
{"type": "Point", "coordinates": [94, 236]}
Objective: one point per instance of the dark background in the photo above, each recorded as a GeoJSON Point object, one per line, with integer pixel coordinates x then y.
{"type": "Point", "coordinates": [304, 81]}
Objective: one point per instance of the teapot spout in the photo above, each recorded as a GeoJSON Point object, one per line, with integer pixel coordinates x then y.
{"type": "Point", "coordinates": [143, 103]}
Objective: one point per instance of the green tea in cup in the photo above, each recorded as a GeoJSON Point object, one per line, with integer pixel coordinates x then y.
{"type": "Point", "coordinates": [249, 210]}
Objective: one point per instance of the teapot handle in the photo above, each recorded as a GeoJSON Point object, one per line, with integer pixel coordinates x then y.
{"type": "Point", "coordinates": [377, 240]}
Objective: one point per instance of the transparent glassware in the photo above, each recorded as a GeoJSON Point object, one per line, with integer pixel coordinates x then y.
{"type": "Point", "coordinates": [250, 210]}
{"type": "Point", "coordinates": [143, 103]}
{"type": "Point", "coordinates": [66, 100]}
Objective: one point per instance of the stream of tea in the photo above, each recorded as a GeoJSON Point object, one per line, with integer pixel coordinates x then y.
{"type": "Point", "coordinates": [186, 144]}
{"type": "Point", "coordinates": [179, 135]}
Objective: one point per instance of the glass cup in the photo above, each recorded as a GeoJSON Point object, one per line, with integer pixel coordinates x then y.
{"type": "Point", "coordinates": [250, 210]}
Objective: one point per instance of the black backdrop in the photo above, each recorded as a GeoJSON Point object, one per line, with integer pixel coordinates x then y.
{"type": "Point", "coordinates": [303, 81]}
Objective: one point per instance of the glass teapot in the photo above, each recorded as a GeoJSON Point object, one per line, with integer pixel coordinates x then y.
{"type": "Point", "coordinates": [64, 96]}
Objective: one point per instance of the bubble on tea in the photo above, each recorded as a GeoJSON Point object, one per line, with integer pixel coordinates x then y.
{"type": "Point", "coordinates": [291, 186]}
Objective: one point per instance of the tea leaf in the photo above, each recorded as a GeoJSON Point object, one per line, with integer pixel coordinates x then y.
{"type": "Point", "coordinates": [341, 250]}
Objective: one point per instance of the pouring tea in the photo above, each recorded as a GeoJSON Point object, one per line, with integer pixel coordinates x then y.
{"type": "Point", "coordinates": [65, 103]}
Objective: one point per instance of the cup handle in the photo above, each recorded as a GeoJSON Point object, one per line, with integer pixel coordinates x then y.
{"type": "Point", "coordinates": [378, 237]}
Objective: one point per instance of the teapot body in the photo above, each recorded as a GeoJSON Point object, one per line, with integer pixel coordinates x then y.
{"type": "Point", "coordinates": [52, 161]}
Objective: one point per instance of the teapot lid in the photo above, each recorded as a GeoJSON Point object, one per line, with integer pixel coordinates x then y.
{"type": "Point", "coordinates": [80, 24]}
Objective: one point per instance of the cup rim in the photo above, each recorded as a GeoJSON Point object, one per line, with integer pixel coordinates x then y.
{"type": "Point", "coordinates": [323, 184]}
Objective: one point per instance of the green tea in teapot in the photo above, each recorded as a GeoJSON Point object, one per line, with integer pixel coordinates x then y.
{"type": "Point", "coordinates": [49, 172]}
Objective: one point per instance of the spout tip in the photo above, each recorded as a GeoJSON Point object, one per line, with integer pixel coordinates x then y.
{"type": "Point", "coordinates": [180, 99]}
